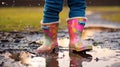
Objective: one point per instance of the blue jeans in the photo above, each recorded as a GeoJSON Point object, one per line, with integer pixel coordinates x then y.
{"type": "Point", "coordinates": [52, 9]}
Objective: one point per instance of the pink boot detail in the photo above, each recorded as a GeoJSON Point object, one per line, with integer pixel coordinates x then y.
{"type": "Point", "coordinates": [50, 38]}
{"type": "Point", "coordinates": [76, 26]}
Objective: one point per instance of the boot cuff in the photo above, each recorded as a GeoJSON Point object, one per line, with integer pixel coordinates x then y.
{"type": "Point", "coordinates": [75, 18]}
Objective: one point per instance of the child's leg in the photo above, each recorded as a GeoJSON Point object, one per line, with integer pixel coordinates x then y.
{"type": "Point", "coordinates": [50, 25]}
{"type": "Point", "coordinates": [76, 24]}
{"type": "Point", "coordinates": [52, 9]}
{"type": "Point", "coordinates": [77, 8]}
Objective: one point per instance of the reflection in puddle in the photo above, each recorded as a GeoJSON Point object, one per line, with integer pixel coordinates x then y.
{"type": "Point", "coordinates": [100, 58]}
{"type": "Point", "coordinates": [67, 60]}
{"type": "Point", "coordinates": [105, 53]}
{"type": "Point", "coordinates": [64, 59]}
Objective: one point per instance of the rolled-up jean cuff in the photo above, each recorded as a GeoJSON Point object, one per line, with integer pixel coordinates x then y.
{"type": "Point", "coordinates": [41, 22]}
{"type": "Point", "coordinates": [75, 17]}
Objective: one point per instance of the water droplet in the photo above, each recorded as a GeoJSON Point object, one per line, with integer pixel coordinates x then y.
{"type": "Point", "coordinates": [13, 1]}
{"type": "Point", "coordinates": [3, 3]}
{"type": "Point", "coordinates": [38, 4]}
{"type": "Point", "coordinates": [6, 4]}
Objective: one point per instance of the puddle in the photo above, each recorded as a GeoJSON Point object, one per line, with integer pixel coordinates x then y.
{"type": "Point", "coordinates": [15, 47]}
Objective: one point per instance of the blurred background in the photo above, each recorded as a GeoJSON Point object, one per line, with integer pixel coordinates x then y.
{"type": "Point", "coordinates": [22, 15]}
{"type": "Point", "coordinates": [29, 3]}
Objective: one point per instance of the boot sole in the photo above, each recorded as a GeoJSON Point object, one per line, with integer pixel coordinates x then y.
{"type": "Point", "coordinates": [88, 48]}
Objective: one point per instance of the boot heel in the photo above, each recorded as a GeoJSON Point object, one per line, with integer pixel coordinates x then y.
{"type": "Point", "coordinates": [55, 50]}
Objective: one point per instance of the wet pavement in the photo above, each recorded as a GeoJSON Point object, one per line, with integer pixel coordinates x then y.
{"type": "Point", "coordinates": [17, 48]}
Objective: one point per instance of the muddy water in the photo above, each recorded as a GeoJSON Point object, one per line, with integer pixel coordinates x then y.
{"type": "Point", "coordinates": [105, 53]}
{"type": "Point", "coordinates": [16, 49]}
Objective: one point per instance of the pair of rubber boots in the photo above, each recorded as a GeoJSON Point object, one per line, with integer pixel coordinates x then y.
{"type": "Point", "coordinates": [75, 27]}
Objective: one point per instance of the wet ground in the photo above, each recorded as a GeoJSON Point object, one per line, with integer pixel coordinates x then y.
{"type": "Point", "coordinates": [17, 48]}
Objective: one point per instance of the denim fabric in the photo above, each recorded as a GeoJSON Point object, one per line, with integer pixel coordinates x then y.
{"type": "Point", "coordinates": [52, 9]}
{"type": "Point", "coordinates": [77, 8]}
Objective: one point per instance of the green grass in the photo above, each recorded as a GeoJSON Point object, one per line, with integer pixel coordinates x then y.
{"type": "Point", "coordinates": [22, 18]}
{"type": "Point", "coordinates": [18, 19]}
{"type": "Point", "coordinates": [104, 8]}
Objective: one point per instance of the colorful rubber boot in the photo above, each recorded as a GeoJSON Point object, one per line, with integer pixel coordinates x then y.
{"type": "Point", "coordinates": [76, 26]}
{"type": "Point", "coordinates": [50, 36]}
